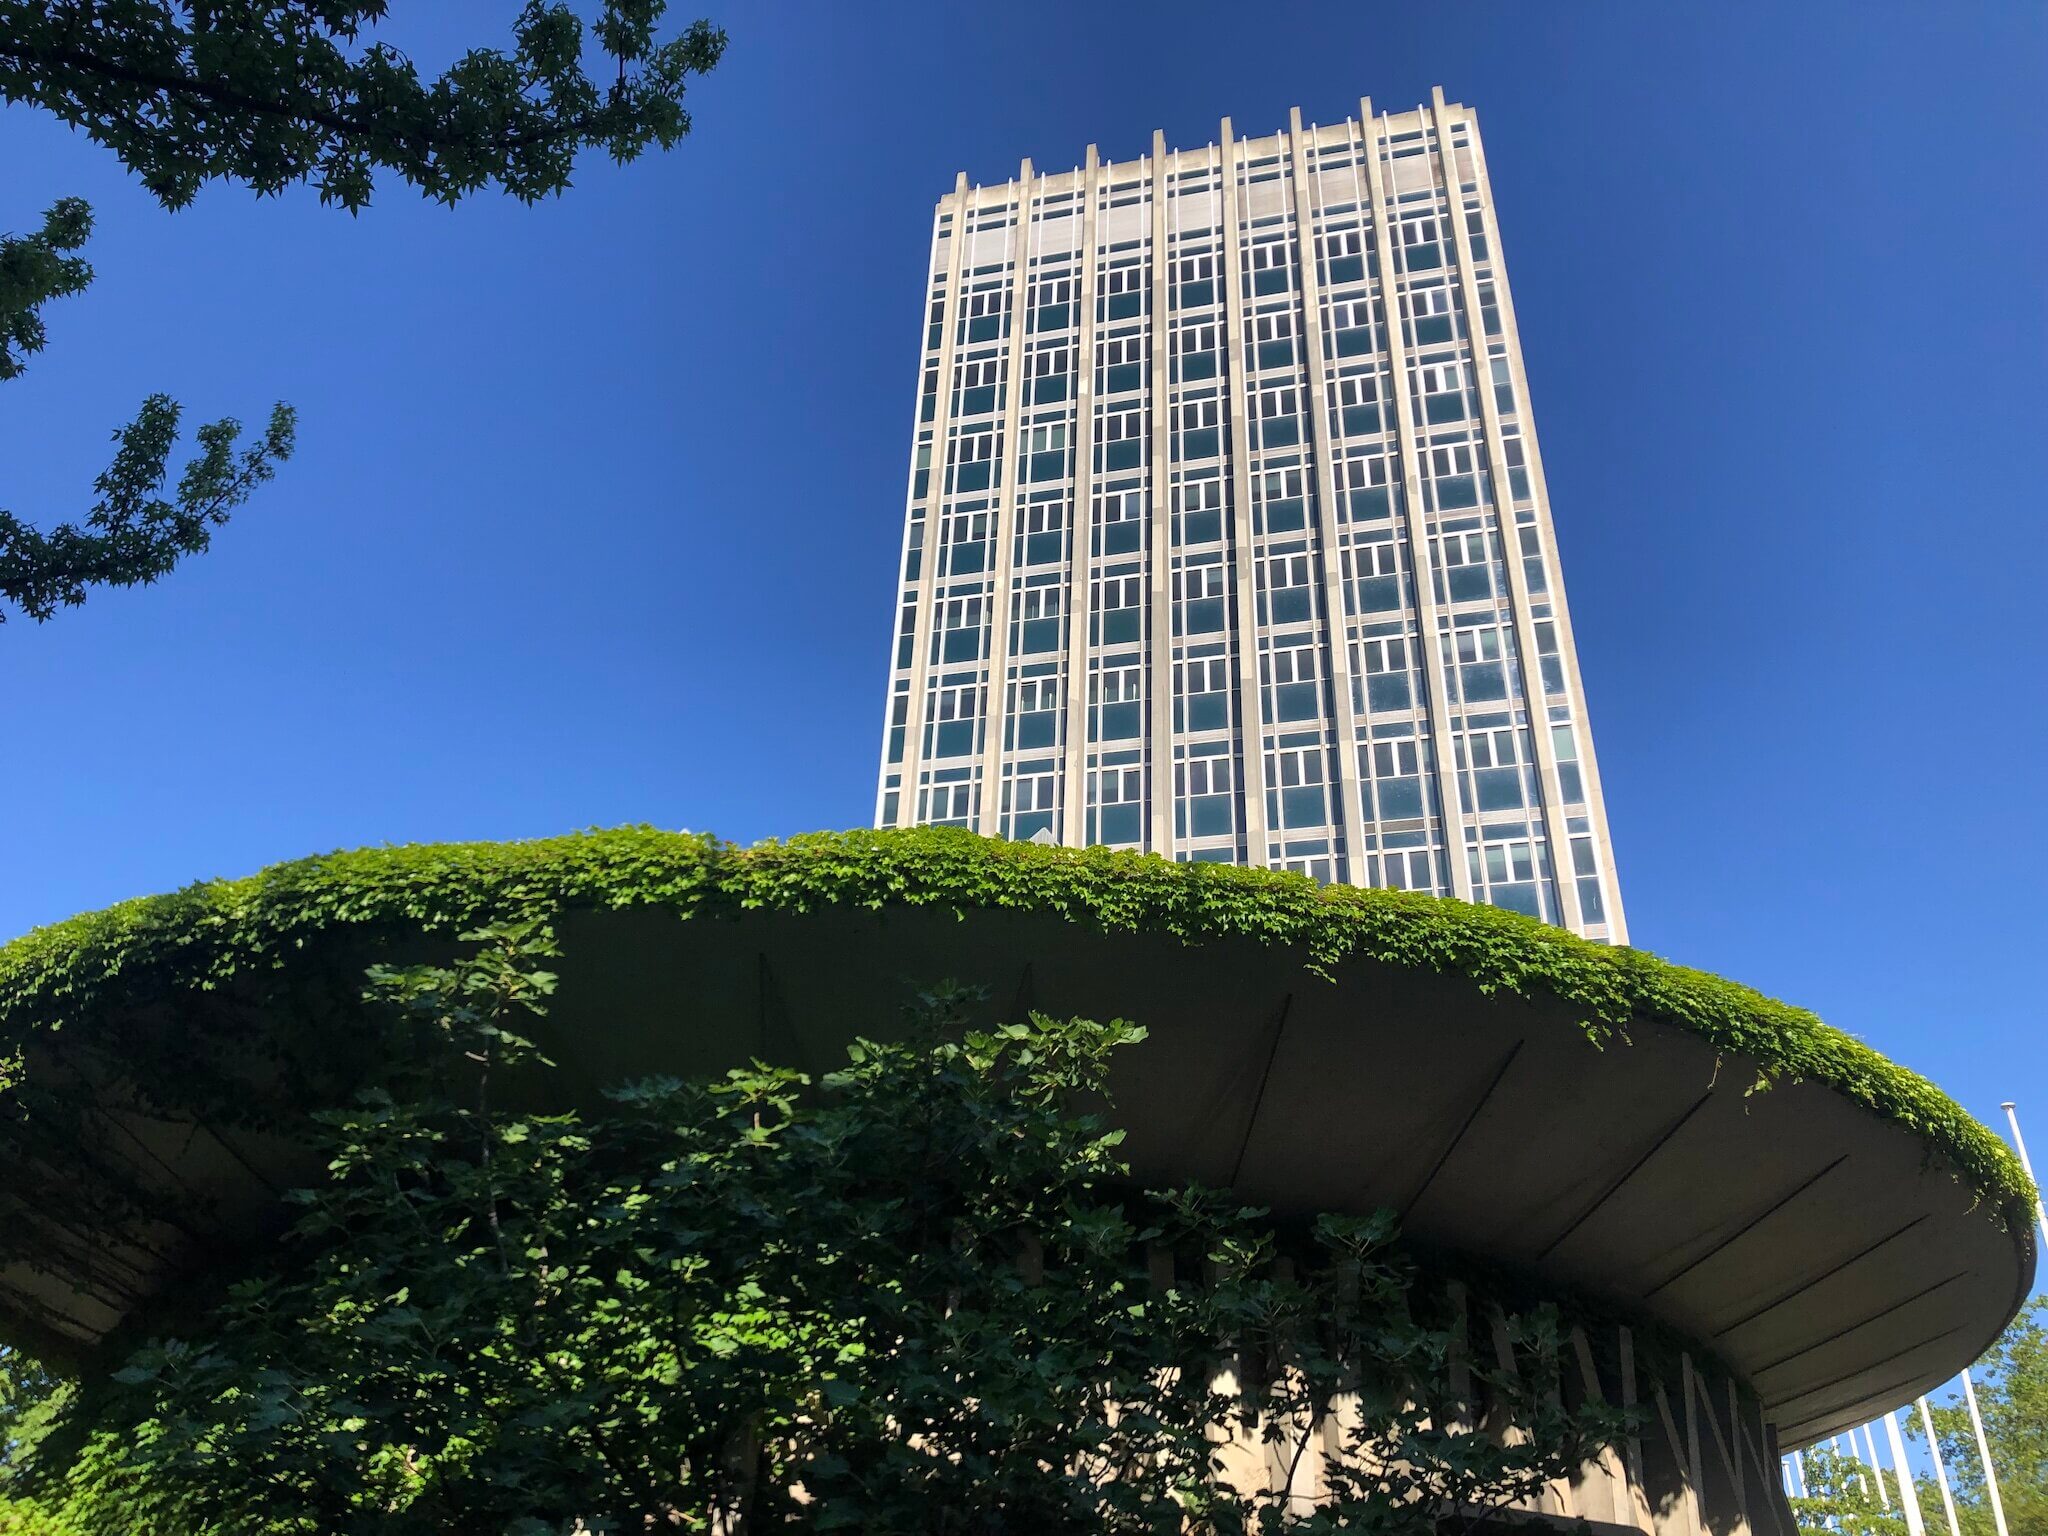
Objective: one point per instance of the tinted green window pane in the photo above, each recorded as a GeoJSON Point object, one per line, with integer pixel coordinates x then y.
{"type": "Point", "coordinates": [1457, 491]}
{"type": "Point", "coordinates": [1354, 343]}
{"type": "Point", "coordinates": [1360, 420]}
{"type": "Point", "coordinates": [1122, 455]}
{"type": "Point", "coordinates": [966, 559]}
{"type": "Point", "coordinates": [1207, 711]}
{"type": "Point", "coordinates": [1042, 548]}
{"type": "Point", "coordinates": [1025, 824]}
{"type": "Point", "coordinates": [1500, 789]}
{"type": "Point", "coordinates": [1270, 280]}
{"type": "Point", "coordinates": [896, 744]}
{"type": "Point", "coordinates": [963, 645]}
{"type": "Point", "coordinates": [971, 477]}
{"type": "Point", "coordinates": [1470, 581]}
{"type": "Point", "coordinates": [1039, 635]}
{"type": "Point", "coordinates": [1286, 514]}
{"type": "Point", "coordinates": [1388, 690]}
{"type": "Point", "coordinates": [956, 739]}
{"type": "Point", "coordinates": [1424, 258]}
{"type": "Point", "coordinates": [978, 401]}
{"type": "Point", "coordinates": [1036, 729]}
{"type": "Point", "coordinates": [1276, 354]}
{"type": "Point", "coordinates": [1377, 594]}
{"type": "Point", "coordinates": [1053, 317]}
{"type": "Point", "coordinates": [1369, 506]}
{"type": "Point", "coordinates": [1203, 444]}
{"type": "Point", "coordinates": [1118, 626]}
{"type": "Point", "coordinates": [1122, 378]}
{"type": "Point", "coordinates": [1296, 701]}
{"type": "Point", "coordinates": [1119, 721]}
{"type": "Point", "coordinates": [1520, 897]}
{"type": "Point", "coordinates": [1208, 815]}
{"type": "Point", "coordinates": [1049, 466]}
{"type": "Point", "coordinates": [1442, 408]}
{"type": "Point", "coordinates": [1126, 306]}
{"type": "Point", "coordinates": [1198, 365]}
{"type": "Point", "coordinates": [1049, 390]}
{"type": "Point", "coordinates": [1203, 616]}
{"type": "Point", "coordinates": [1432, 329]}
{"type": "Point", "coordinates": [984, 328]}
{"type": "Point", "coordinates": [1302, 807]}
{"type": "Point", "coordinates": [1201, 528]}
{"type": "Point", "coordinates": [1288, 605]}
{"type": "Point", "coordinates": [1347, 269]}
{"type": "Point", "coordinates": [1400, 799]}
{"type": "Point", "coordinates": [1591, 908]}
{"type": "Point", "coordinates": [1280, 431]}
{"type": "Point", "coordinates": [1197, 295]}
{"type": "Point", "coordinates": [1120, 538]}
{"type": "Point", "coordinates": [1117, 824]}
{"type": "Point", "coordinates": [1569, 784]}
{"type": "Point", "coordinates": [1482, 680]}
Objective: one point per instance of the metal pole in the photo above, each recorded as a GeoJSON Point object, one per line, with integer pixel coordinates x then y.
{"type": "Point", "coordinates": [1948, 1503]}
{"type": "Point", "coordinates": [1799, 1473]}
{"type": "Point", "coordinates": [2040, 1211]}
{"type": "Point", "coordinates": [1909, 1495]}
{"type": "Point", "coordinates": [1984, 1454]}
{"type": "Point", "coordinates": [1854, 1458]}
{"type": "Point", "coordinates": [1876, 1472]}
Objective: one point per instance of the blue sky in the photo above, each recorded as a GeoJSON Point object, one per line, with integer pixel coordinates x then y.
{"type": "Point", "coordinates": [597, 503]}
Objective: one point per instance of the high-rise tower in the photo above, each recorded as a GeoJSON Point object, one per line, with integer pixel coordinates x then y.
{"type": "Point", "coordinates": [1227, 534]}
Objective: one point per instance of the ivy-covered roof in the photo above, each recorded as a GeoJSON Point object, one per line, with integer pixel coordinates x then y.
{"type": "Point", "coordinates": [212, 932]}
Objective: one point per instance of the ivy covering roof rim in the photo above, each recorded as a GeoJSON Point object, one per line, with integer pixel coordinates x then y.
{"type": "Point", "coordinates": [212, 931]}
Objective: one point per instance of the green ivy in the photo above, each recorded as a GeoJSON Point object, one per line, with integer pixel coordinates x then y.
{"type": "Point", "coordinates": [209, 933]}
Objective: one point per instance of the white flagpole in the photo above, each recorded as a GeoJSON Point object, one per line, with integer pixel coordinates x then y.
{"type": "Point", "coordinates": [1948, 1503]}
{"type": "Point", "coordinates": [2040, 1211]}
{"type": "Point", "coordinates": [1855, 1459]}
{"type": "Point", "coordinates": [1877, 1472]}
{"type": "Point", "coordinates": [1909, 1495]}
{"type": "Point", "coordinates": [1984, 1454]}
{"type": "Point", "coordinates": [1799, 1472]}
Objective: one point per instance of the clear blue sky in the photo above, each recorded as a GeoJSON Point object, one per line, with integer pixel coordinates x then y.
{"type": "Point", "coordinates": [598, 502]}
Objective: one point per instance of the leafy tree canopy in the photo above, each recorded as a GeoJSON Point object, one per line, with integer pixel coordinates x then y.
{"type": "Point", "coordinates": [2012, 1396]}
{"type": "Point", "coordinates": [2011, 1380]}
{"type": "Point", "coordinates": [272, 94]}
{"type": "Point", "coordinates": [912, 1296]}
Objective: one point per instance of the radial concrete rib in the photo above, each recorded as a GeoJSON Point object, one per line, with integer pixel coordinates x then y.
{"type": "Point", "coordinates": [1630, 1172]}
{"type": "Point", "coordinates": [1827, 1274]}
{"type": "Point", "coordinates": [1492, 1083]}
{"type": "Point", "coordinates": [1807, 1349]}
{"type": "Point", "coordinates": [1862, 1394]}
{"type": "Point", "coordinates": [1251, 1120]}
{"type": "Point", "coordinates": [1745, 1229]}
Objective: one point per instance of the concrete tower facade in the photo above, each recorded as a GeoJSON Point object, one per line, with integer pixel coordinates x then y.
{"type": "Point", "coordinates": [1227, 535]}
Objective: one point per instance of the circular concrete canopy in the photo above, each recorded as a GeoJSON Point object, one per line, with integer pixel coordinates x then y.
{"type": "Point", "coordinates": [1844, 1241]}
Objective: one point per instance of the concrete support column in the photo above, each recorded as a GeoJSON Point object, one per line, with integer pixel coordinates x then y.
{"type": "Point", "coordinates": [1074, 775]}
{"type": "Point", "coordinates": [1350, 810]}
{"type": "Point", "coordinates": [1244, 636]}
{"type": "Point", "coordinates": [1003, 524]}
{"type": "Point", "coordinates": [1386, 247]}
{"type": "Point", "coordinates": [1159, 537]}
{"type": "Point", "coordinates": [935, 499]}
{"type": "Point", "coordinates": [1549, 792]}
